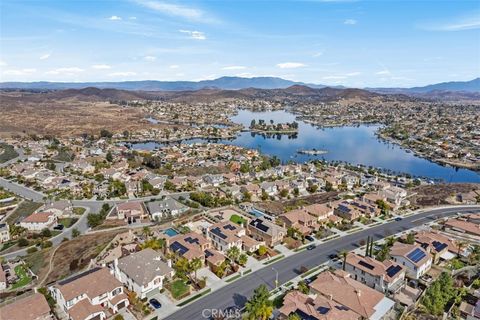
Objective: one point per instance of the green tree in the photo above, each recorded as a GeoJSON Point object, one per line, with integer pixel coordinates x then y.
{"type": "Point", "coordinates": [194, 265]}
{"type": "Point", "coordinates": [109, 156]}
{"type": "Point", "coordinates": [294, 316]}
{"type": "Point", "coordinates": [242, 259]}
{"type": "Point", "coordinates": [410, 238]}
{"type": "Point", "coordinates": [233, 253]}
{"type": "Point", "coordinates": [75, 233]}
{"type": "Point", "coordinates": [46, 233]}
{"type": "Point", "coordinates": [262, 250]}
{"type": "Point", "coordinates": [259, 306]}
{"type": "Point", "coordinates": [344, 255]}
{"type": "Point", "coordinates": [303, 287]}
{"type": "Point", "coordinates": [22, 242]}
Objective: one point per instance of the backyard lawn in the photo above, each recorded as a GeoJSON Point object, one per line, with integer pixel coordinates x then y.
{"type": "Point", "coordinates": [23, 277]}
{"type": "Point", "coordinates": [237, 219]}
{"type": "Point", "coordinates": [179, 289]}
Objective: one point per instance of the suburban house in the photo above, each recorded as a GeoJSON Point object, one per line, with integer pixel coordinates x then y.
{"type": "Point", "coordinates": [270, 188]}
{"type": "Point", "coordinates": [61, 208]}
{"type": "Point", "coordinates": [416, 259]}
{"type": "Point", "coordinates": [34, 307]}
{"type": "Point", "coordinates": [340, 288]}
{"type": "Point", "coordinates": [83, 301]}
{"type": "Point", "coordinates": [437, 247]}
{"type": "Point", "coordinates": [131, 211]}
{"type": "Point", "coordinates": [395, 195]}
{"type": "Point", "coordinates": [264, 230]}
{"type": "Point", "coordinates": [191, 245]}
{"type": "Point", "coordinates": [165, 208]}
{"type": "Point", "coordinates": [143, 272]}
{"type": "Point", "coordinates": [225, 235]}
{"type": "Point", "coordinates": [319, 210]}
{"type": "Point", "coordinates": [434, 236]}
{"type": "Point", "coordinates": [253, 189]}
{"type": "Point", "coordinates": [463, 226]}
{"type": "Point", "coordinates": [352, 210]}
{"type": "Point", "coordinates": [4, 232]}
{"type": "Point", "coordinates": [300, 220]}
{"type": "Point", "coordinates": [213, 258]}
{"type": "Point", "coordinates": [39, 220]}
{"type": "Point", "coordinates": [381, 276]}
{"type": "Point", "coordinates": [318, 307]}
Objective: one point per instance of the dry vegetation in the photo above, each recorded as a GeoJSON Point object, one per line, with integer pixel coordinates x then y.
{"type": "Point", "coordinates": [75, 255]}
{"type": "Point", "coordinates": [64, 116]}
{"type": "Point", "coordinates": [439, 194]}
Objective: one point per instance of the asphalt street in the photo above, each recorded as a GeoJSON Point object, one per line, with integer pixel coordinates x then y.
{"type": "Point", "coordinates": [237, 293]}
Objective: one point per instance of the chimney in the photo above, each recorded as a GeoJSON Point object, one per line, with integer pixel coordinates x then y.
{"type": "Point", "coordinates": [359, 292]}
{"type": "Point", "coordinates": [330, 297]}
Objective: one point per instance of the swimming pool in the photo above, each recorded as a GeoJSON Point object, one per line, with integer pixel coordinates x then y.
{"type": "Point", "coordinates": [171, 232]}
{"type": "Point", "coordinates": [257, 213]}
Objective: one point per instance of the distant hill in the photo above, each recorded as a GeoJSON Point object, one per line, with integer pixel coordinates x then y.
{"type": "Point", "coordinates": [465, 86]}
{"type": "Point", "coordinates": [224, 83]}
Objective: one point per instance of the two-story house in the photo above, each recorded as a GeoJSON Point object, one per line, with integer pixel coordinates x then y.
{"type": "Point", "coordinates": [225, 235]}
{"type": "Point", "coordinates": [416, 259]}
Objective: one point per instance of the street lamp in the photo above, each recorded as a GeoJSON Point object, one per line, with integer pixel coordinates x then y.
{"type": "Point", "coordinates": [276, 277]}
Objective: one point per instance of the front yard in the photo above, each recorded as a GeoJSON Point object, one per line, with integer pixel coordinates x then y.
{"type": "Point", "coordinates": [178, 289]}
{"type": "Point", "coordinates": [67, 222]}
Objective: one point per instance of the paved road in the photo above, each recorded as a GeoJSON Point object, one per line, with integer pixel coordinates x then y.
{"type": "Point", "coordinates": [238, 292]}
{"type": "Point", "coordinates": [22, 191]}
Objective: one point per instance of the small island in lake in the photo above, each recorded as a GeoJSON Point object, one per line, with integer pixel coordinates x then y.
{"type": "Point", "coordinates": [312, 152]}
{"type": "Point", "coordinates": [262, 126]}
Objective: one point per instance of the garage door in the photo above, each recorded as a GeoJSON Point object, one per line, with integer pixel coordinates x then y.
{"type": "Point", "coordinates": [121, 305]}
{"type": "Point", "coordinates": [153, 292]}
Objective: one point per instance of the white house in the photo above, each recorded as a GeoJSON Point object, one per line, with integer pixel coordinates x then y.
{"type": "Point", "coordinates": [39, 221]}
{"type": "Point", "coordinates": [143, 272]}
{"type": "Point", "coordinates": [87, 296]}
{"type": "Point", "coordinates": [412, 256]}
{"type": "Point", "coordinates": [4, 232]}
{"type": "Point", "coordinates": [165, 207]}
{"type": "Point", "coordinates": [225, 235]}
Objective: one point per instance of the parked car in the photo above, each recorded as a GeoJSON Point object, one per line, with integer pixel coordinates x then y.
{"type": "Point", "coordinates": [59, 227]}
{"type": "Point", "coordinates": [309, 238]}
{"type": "Point", "coordinates": [332, 256]}
{"type": "Point", "coordinates": [311, 247]}
{"type": "Point", "coordinates": [155, 303]}
{"type": "Point", "coordinates": [398, 219]}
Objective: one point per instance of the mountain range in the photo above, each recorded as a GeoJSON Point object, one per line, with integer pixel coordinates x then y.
{"type": "Point", "coordinates": [230, 83]}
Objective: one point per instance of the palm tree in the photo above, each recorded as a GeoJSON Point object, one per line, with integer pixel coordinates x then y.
{"type": "Point", "coordinates": [344, 254]}
{"type": "Point", "coordinates": [259, 306]}
{"type": "Point", "coordinates": [194, 265]}
{"type": "Point", "coordinates": [303, 287]}
{"type": "Point", "coordinates": [293, 316]}
{"type": "Point", "coordinates": [242, 259]}
{"type": "Point", "coordinates": [233, 253]}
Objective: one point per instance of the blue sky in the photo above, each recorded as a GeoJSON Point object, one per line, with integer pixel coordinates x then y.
{"type": "Point", "coordinates": [353, 43]}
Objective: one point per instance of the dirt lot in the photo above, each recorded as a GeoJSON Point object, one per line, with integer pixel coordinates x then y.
{"type": "Point", "coordinates": [36, 114]}
{"type": "Point", "coordinates": [440, 193]}
{"type": "Point", "coordinates": [75, 255]}
{"type": "Point", "coordinates": [279, 207]}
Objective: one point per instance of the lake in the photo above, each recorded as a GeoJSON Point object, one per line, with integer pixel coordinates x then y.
{"type": "Point", "coordinates": [353, 144]}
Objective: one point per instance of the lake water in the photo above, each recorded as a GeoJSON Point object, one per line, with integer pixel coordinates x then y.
{"type": "Point", "coordinates": [353, 144]}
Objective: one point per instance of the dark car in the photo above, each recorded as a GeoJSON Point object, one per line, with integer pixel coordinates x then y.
{"type": "Point", "coordinates": [59, 227]}
{"type": "Point", "coordinates": [332, 256]}
{"type": "Point", "coordinates": [309, 238]}
{"type": "Point", "coordinates": [398, 219]}
{"type": "Point", "coordinates": [155, 303]}
{"type": "Point", "coordinates": [311, 247]}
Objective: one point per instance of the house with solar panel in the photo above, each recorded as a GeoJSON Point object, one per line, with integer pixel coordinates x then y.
{"type": "Point", "coordinates": [416, 259]}
{"type": "Point", "coordinates": [190, 246]}
{"type": "Point", "coordinates": [263, 230]}
{"type": "Point", "coordinates": [386, 276]}
{"type": "Point", "coordinates": [225, 235]}
{"type": "Point", "coordinates": [435, 245]}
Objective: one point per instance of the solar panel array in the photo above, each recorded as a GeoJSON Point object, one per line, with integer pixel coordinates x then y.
{"type": "Point", "coordinates": [179, 248]}
{"type": "Point", "coordinates": [439, 246]}
{"type": "Point", "coordinates": [416, 255]}
{"type": "Point", "coordinates": [393, 270]}
{"type": "Point", "coordinates": [366, 265]}
{"type": "Point", "coordinates": [216, 231]}
{"type": "Point", "coordinates": [259, 225]}
{"type": "Point", "coordinates": [208, 254]}
{"type": "Point", "coordinates": [191, 240]}
{"type": "Point", "coordinates": [229, 227]}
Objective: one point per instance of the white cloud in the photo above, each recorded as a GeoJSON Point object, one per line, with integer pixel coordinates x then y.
{"type": "Point", "coordinates": [353, 74]}
{"type": "Point", "coordinates": [466, 23]}
{"type": "Point", "coordinates": [350, 21]}
{"type": "Point", "coordinates": [149, 58]}
{"type": "Point", "coordinates": [115, 18]}
{"type": "Point", "coordinates": [174, 66]}
{"type": "Point", "coordinates": [176, 10]}
{"type": "Point", "coordinates": [3, 63]}
{"type": "Point", "coordinates": [101, 66]}
{"type": "Point", "coordinates": [383, 72]}
{"type": "Point", "coordinates": [334, 77]}
{"type": "Point", "coordinates": [122, 74]}
{"type": "Point", "coordinates": [19, 72]}
{"type": "Point", "coordinates": [291, 65]}
{"type": "Point", "coordinates": [65, 71]}
{"type": "Point", "coordinates": [197, 35]}
{"type": "Point", "coordinates": [45, 56]}
{"type": "Point", "coordinates": [234, 68]}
